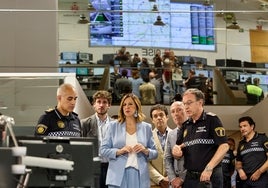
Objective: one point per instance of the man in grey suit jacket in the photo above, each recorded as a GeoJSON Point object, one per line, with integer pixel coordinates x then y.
{"type": "Point", "coordinates": [96, 126]}
{"type": "Point", "coordinates": [175, 169]}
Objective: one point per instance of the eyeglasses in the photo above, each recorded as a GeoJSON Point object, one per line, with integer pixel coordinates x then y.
{"type": "Point", "coordinates": [188, 103]}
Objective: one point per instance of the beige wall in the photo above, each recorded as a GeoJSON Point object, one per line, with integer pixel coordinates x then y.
{"type": "Point", "coordinates": [28, 40]}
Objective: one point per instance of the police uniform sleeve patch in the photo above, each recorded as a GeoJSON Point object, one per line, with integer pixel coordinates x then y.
{"type": "Point", "coordinates": [220, 131]}
{"type": "Point", "coordinates": [41, 128]}
{"type": "Point", "coordinates": [241, 148]}
{"type": "Point", "coordinates": [184, 133]}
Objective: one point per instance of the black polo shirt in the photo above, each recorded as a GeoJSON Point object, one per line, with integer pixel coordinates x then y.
{"type": "Point", "coordinates": [252, 154]}
{"type": "Point", "coordinates": [53, 123]}
{"type": "Point", "coordinates": [228, 163]}
{"type": "Point", "coordinates": [202, 138]}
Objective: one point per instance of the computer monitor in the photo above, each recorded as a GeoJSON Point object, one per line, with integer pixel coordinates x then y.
{"type": "Point", "coordinates": [250, 64]}
{"type": "Point", "coordinates": [233, 63]}
{"type": "Point", "coordinates": [211, 74]}
{"type": "Point", "coordinates": [82, 71]}
{"type": "Point", "coordinates": [79, 150]}
{"type": "Point", "coordinates": [263, 78]}
{"type": "Point", "coordinates": [220, 62]}
{"type": "Point", "coordinates": [97, 71]}
{"type": "Point", "coordinates": [244, 77]}
{"type": "Point", "coordinates": [85, 57]}
{"type": "Point", "coordinates": [107, 58]}
{"type": "Point", "coordinates": [204, 73]}
{"type": "Point", "coordinates": [232, 75]}
{"type": "Point", "coordinates": [67, 70]}
{"type": "Point", "coordinates": [260, 65]}
{"type": "Point", "coordinates": [68, 55]}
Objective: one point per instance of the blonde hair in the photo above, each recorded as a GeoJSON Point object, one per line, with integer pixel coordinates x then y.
{"type": "Point", "coordinates": [121, 116]}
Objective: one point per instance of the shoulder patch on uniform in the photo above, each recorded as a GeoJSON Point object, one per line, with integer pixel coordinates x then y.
{"type": "Point", "coordinates": [241, 148]}
{"type": "Point", "coordinates": [185, 133]}
{"type": "Point", "coordinates": [41, 128]}
{"type": "Point", "coordinates": [211, 114]}
{"type": "Point", "coordinates": [220, 131]}
{"type": "Point", "coordinates": [49, 110]}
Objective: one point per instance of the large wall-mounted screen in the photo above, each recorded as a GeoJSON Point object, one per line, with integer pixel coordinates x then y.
{"type": "Point", "coordinates": [188, 26]}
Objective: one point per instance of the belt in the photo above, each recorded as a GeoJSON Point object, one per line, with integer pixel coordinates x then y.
{"type": "Point", "coordinates": [193, 174]}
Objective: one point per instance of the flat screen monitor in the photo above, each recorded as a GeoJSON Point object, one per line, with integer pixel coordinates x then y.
{"type": "Point", "coordinates": [85, 57]}
{"type": "Point", "coordinates": [263, 78]}
{"type": "Point", "coordinates": [97, 71]}
{"type": "Point", "coordinates": [244, 77]}
{"type": "Point", "coordinates": [82, 71]}
{"type": "Point", "coordinates": [232, 75]}
{"type": "Point", "coordinates": [249, 64]}
{"type": "Point", "coordinates": [233, 63]}
{"type": "Point", "coordinates": [68, 55]}
{"type": "Point", "coordinates": [78, 150]}
{"type": "Point", "coordinates": [204, 73]}
{"type": "Point", "coordinates": [138, 26]}
{"type": "Point", "coordinates": [68, 69]}
{"type": "Point", "coordinates": [194, 60]}
{"type": "Point", "coordinates": [107, 58]}
{"type": "Point", "coordinates": [260, 65]}
{"type": "Point", "coordinates": [220, 62]}
{"type": "Point", "coordinates": [67, 62]}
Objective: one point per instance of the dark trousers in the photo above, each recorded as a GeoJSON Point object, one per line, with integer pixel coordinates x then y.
{"type": "Point", "coordinates": [227, 181]}
{"type": "Point", "coordinates": [260, 183]}
{"type": "Point", "coordinates": [192, 179]}
{"type": "Point", "coordinates": [103, 173]}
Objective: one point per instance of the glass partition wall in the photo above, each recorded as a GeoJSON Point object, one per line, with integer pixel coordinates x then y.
{"type": "Point", "coordinates": [209, 30]}
{"type": "Point", "coordinates": [238, 33]}
{"type": "Point", "coordinates": [25, 96]}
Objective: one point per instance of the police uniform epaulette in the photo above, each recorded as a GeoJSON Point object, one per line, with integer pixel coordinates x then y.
{"type": "Point", "coordinates": [211, 114]}
{"type": "Point", "coordinates": [49, 110]}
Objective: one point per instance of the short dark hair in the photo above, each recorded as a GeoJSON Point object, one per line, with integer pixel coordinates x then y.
{"type": "Point", "coordinates": [248, 119]}
{"type": "Point", "coordinates": [158, 107]}
{"type": "Point", "coordinates": [124, 73]}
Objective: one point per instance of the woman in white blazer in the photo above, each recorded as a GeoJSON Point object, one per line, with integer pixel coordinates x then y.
{"type": "Point", "coordinates": [129, 145]}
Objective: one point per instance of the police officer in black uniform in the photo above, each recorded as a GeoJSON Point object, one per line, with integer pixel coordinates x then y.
{"type": "Point", "coordinates": [228, 164]}
{"type": "Point", "coordinates": [252, 152]}
{"type": "Point", "coordinates": [203, 144]}
{"type": "Point", "coordinates": [61, 121]}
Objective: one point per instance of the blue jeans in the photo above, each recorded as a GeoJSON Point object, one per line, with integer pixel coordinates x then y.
{"type": "Point", "coordinates": [192, 180]}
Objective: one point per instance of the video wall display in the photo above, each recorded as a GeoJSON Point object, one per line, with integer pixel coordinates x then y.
{"type": "Point", "coordinates": [161, 24]}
